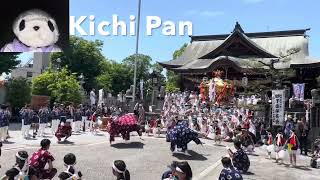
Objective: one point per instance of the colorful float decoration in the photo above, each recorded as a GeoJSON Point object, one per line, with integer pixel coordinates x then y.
{"type": "Point", "coordinates": [216, 90]}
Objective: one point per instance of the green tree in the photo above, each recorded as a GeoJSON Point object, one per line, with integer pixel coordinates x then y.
{"type": "Point", "coordinates": [157, 67]}
{"type": "Point", "coordinates": [19, 92]}
{"type": "Point", "coordinates": [61, 86]}
{"type": "Point", "coordinates": [180, 51]}
{"type": "Point", "coordinates": [41, 83]}
{"type": "Point", "coordinates": [143, 65]}
{"type": "Point", "coordinates": [8, 61]}
{"type": "Point", "coordinates": [83, 57]}
{"type": "Point", "coordinates": [173, 79]}
{"type": "Point", "coordinates": [116, 77]}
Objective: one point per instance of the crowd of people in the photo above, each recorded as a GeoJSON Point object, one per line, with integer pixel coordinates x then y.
{"type": "Point", "coordinates": [64, 119]}
{"type": "Point", "coordinates": [185, 117]}
{"type": "Point", "coordinates": [238, 125]}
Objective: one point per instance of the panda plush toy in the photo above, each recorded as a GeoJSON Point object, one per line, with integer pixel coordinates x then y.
{"type": "Point", "coordinates": [35, 31]}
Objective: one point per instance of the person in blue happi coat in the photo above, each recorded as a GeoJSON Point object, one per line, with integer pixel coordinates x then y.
{"type": "Point", "coordinates": [180, 136]}
{"type": "Point", "coordinates": [229, 172]}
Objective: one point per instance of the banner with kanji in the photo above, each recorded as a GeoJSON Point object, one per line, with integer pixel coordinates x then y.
{"type": "Point", "coordinates": [101, 96]}
{"type": "Point", "coordinates": [278, 104]}
{"type": "Point", "coordinates": [298, 92]}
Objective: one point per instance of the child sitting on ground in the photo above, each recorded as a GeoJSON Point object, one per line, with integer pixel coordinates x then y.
{"type": "Point", "coordinates": [315, 161]}
{"type": "Point", "coordinates": [64, 130]}
{"type": "Point", "coordinates": [21, 169]}
{"type": "Point", "coordinates": [70, 173]}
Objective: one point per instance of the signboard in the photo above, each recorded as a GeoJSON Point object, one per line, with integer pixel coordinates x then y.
{"type": "Point", "coordinates": [244, 81]}
{"type": "Point", "coordinates": [278, 104]}
{"type": "Point", "coordinates": [298, 92]}
{"type": "Point", "coordinates": [38, 101]}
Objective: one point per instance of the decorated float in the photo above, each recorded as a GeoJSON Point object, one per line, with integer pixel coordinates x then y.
{"type": "Point", "coordinates": [217, 91]}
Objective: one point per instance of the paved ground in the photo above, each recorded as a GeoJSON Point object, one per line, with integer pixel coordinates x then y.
{"type": "Point", "coordinates": [147, 159]}
{"type": "Point", "coordinates": [265, 169]}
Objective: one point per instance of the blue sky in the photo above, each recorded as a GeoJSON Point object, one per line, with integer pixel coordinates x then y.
{"type": "Point", "coordinates": [207, 16]}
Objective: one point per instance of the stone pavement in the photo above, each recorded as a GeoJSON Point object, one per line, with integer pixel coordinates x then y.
{"type": "Point", "coordinates": [16, 141]}
{"type": "Point", "coordinates": [147, 159]}
{"type": "Point", "coordinates": [262, 168]}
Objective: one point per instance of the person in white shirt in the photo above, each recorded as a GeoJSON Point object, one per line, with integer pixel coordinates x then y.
{"type": "Point", "coordinates": [92, 97]}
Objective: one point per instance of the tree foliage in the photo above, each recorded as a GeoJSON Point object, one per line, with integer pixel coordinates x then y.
{"type": "Point", "coordinates": [116, 77]}
{"type": "Point", "coordinates": [143, 65]}
{"type": "Point", "coordinates": [173, 79]}
{"type": "Point", "coordinates": [19, 92]}
{"type": "Point", "coordinates": [275, 75]}
{"type": "Point", "coordinates": [61, 86]}
{"type": "Point", "coordinates": [83, 57]}
{"type": "Point", "coordinates": [180, 51]}
{"type": "Point", "coordinates": [8, 61]}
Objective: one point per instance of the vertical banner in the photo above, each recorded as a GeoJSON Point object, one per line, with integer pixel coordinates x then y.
{"type": "Point", "coordinates": [298, 91]}
{"type": "Point", "coordinates": [278, 103]}
{"type": "Point", "coordinates": [141, 89]}
{"type": "Point", "coordinates": [101, 94]}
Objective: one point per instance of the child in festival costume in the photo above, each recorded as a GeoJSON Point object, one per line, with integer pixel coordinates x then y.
{"type": "Point", "coordinates": [21, 169]}
{"type": "Point", "coordinates": [315, 161]}
{"type": "Point", "coordinates": [270, 144]}
{"type": "Point", "coordinates": [279, 143]}
{"type": "Point", "coordinates": [217, 131]}
{"type": "Point", "coordinates": [211, 134]}
{"type": "Point", "coordinates": [40, 159]}
{"type": "Point", "coordinates": [64, 130]}
{"type": "Point", "coordinates": [247, 141]}
{"type": "Point", "coordinates": [229, 171]}
{"type": "Point", "coordinates": [240, 159]}
{"type": "Point", "coordinates": [71, 173]}
{"type": "Point", "coordinates": [293, 144]}
{"type": "Point", "coordinates": [178, 171]}
{"type": "Point", "coordinates": [119, 169]}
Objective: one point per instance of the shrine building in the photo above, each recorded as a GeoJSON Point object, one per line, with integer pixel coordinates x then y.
{"type": "Point", "coordinates": [235, 53]}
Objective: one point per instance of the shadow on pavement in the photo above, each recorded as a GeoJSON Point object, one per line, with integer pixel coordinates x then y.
{"type": "Point", "coordinates": [66, 142]}
{"type": "Point", "coordinates": [219, 145]}
{"type": "Point", "coordinates": [8, 142]}
{"type": "Point", "coordinates": [194, 156]}
{"type": "Point", "coordinates": [46, 136]}
{"type": "Point", "coordinates": [131, 145]}
{"type": "Point", "coordinates": [253, 155]}
{"type": "Point", "coordinates": [304, 168]}
{"type": "Point", "coordinates": [76, 134]}
{"type": "Point", "coordinates": [30, 138]}
{"type": "Point", "coordinates": [249, 173]}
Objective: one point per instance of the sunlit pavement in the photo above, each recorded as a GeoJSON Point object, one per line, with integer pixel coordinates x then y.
{"type": "Point", "coordinates": [148, 158]}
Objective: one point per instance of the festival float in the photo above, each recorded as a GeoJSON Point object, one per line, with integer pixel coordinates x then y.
{"type": "Point", "coordinates": [217, 91]}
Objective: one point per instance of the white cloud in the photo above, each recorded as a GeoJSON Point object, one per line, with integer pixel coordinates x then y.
{"type": "Point", "coordinates": [205, 13]}
{"type": "Point", "coordinates": [252, 1]}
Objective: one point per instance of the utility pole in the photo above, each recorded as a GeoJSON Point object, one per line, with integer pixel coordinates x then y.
{"type": "Point", "coordinates": [136, 56]}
